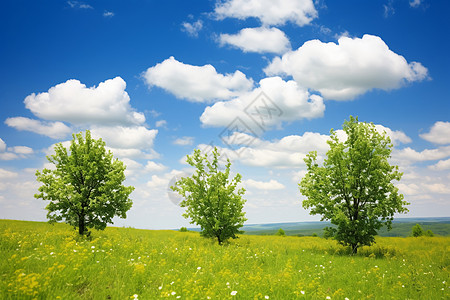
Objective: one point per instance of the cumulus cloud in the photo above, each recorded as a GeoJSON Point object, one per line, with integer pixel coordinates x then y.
{"type": "Point", "coordinates": [154, 167]}
{"type": "Point", "coordinates": [15, 152]}
{"type": "Point", "coordinates": [262, 185]}
{"type": "Point", "coordinates": [184, 141]}
{"type": "Point", "coordinates": [347, 69]}
{"type": "Point", "coordinates": [260, 40]}
{"type": "Point", "coordinates": [411, 155]}
{"type": "Point", "coordinates": [55, 130]}
{"type": "Point", "coordinates": [441, 165]}
{"type": "Point", "coordinates": [126, 137]}
{"type": "Point", "coordinates": [73, 102]}
{"type": "Point", "coordinates": [269, 12]}
{"type": "Point", "coordinates": [287, 152]}
{"type": "Point", "coordinates": [439, 133]}
{"type": "Point", "coordinates": [192, 28]}
{"type": "Point", "coordinates": [5, 174]}
{"type": "Point", "coordinates": [24, 150]}
{"type": "Point", "coordinates": [162, 181]}
{"type": "Point", "coordinates": [196, 83]}
{"type": "Point", "coordinates": [397, 137]}
{"type": "Point", "coordinates": [2, 146]}
{"type": "Point", "coordinates": [273, 102]}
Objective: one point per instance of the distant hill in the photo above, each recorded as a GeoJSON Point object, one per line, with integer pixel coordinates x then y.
{"type": "Point", "coordinates": [401, 227]}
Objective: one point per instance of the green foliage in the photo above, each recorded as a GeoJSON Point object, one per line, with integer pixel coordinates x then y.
{"type": "Point", "coordinates": [281, 232]}
{"type": "Point", "coordinates": [417, 230]}
{"type": "Point", "coordinates": [429, 233]}
{"type": "Point", "coordinates": [353, 189]}
{"type": "Point", "coordinates": [329, 232]}
{"type": "Point", "coordinates": [183, 229]}
{"type": "Point", "coordinates": [85, 189]}
{"type": "Point", "coordinates": [212, 201]}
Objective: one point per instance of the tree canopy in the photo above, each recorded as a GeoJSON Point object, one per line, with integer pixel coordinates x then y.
{"type": "Point", "coordinates": [354, 188]}
{"type": "Point", "coordinates": [85, 188]}
{"type": "Point", "coordinates": [212, 200]}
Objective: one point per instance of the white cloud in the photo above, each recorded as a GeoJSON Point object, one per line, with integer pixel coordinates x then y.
{"type": "Point", "coordinates": [438, 188]}
{"type": "Point", "coordinates": [162, 181]}
{"type": "Point", "coordinates": [192, 28]}
{"type": "Point", "coordinates": [260, 40]}
{"type": "Point", "coordinates": [269, 12]}
{"type": "Point", "coordinates": [196, 83]}
{"type": "Point", "coordinates": [8, 156]}
{"type": "Point", "coordinates": [441, 165]}
{"type": "Point", "coordinates": [73, 102]}
{"type": "Point", "coordinates": [184, 141]}
{"type": "Point", "coordinates": [55, 130]}
{"type": "Point", "coordinates": [154, 167]}
{"type": "Point", "coordinates": [262, 185]}
{"type": "Point", "coordinates": [388, 9]}
{"type": "Point", "coordinates": [5, 174]}
{"type": "Point", "coordinates": [415, 3]}
{"type": "Point", "coordinates": [410, 189]}
{"type": "Point", "coordinates": [2, 146]}
{"type": "Point", "coordinates": [161, 123]}
{"type": "Point", "coordinates": [132, 167]}
{"type": "Point", "coordinates": [24, 150]}
{"type": "Point", "coordinates": [287, 152]}
{"type": "Point", "coordinates": [16, 152]}
{"type": "Point", "coordinates": [439, 133]}
{"type": "Point", "coordinates": [348, 69]}
{"type": "Point", "coordinates": [412, 155]}
{"type": "Point", "coordinates": [78, 4]}
{"type": "Point", "coordinates": [108, 14]}
{"type": "Point", "coordinates": [120, 137]}
{"type": "Point", "coordinates": [396, 136]}
{"type": "Point", "coordinates": [273, 102]}
{"type": "Point", "coordinates": [133, 153]}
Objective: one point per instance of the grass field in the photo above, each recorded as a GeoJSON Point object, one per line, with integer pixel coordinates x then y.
{"type": "Point", "coordinates": [42, 261]}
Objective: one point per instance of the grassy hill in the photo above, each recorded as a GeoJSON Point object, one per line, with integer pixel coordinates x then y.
{"type": "Point", "coordinates": [401, 227]}
{"type": "Point", "coordinates": [42, 261]}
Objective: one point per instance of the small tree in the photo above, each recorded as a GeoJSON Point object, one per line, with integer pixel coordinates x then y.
{"type": "Point", "coordinates": [281, 232]}
{"type": "Point", "coordinates": [417, 230]}
{"type": "Point", "coordinates": [85, 188]}
{"type": "Point", "coordinates": [354, 188]}
{"type": "Point", "coordinates": [429, 233]}
{"type": "Point", "coordinates": [212, 200]}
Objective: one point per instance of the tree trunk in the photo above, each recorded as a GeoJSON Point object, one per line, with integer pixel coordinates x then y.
{"type": "Point", "coordinates": [81, 225]}
{"type": "Point", "coordinates": [219, 240]}
{"type": "Point", "coordinates": [354, 249]}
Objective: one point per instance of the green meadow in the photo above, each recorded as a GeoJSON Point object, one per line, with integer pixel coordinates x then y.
{"type": "Point", "coordinates": [43, 261]}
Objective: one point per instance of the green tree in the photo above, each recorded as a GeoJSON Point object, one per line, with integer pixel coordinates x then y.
{"type": "Point", "coordinates": [85, 188]}
{"type": "Point", "coordinates": [429, 233]}
{"type": "Point", "coordinates": [353, 189]}
{"type": "Point", "coordinates": [212, 201]}
{"type": "Point", "coordinates": [417, 230]}
{"type": "Point", "coordinates": [281, 232]}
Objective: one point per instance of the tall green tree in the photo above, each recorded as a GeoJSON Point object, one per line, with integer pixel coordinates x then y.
{"type": "Point", "coordinates": [354, 188]}
{"type": "Point", "coordinates": [85, 189]}
{"type": "Point", "coordinates": [212, 200]}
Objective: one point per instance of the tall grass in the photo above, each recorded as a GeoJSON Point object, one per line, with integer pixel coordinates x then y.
{"type": "Point", "coordinates": [42, 261]}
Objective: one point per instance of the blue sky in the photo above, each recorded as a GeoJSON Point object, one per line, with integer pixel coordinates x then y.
{"type": "Point", "coordinates": [157, 79]}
